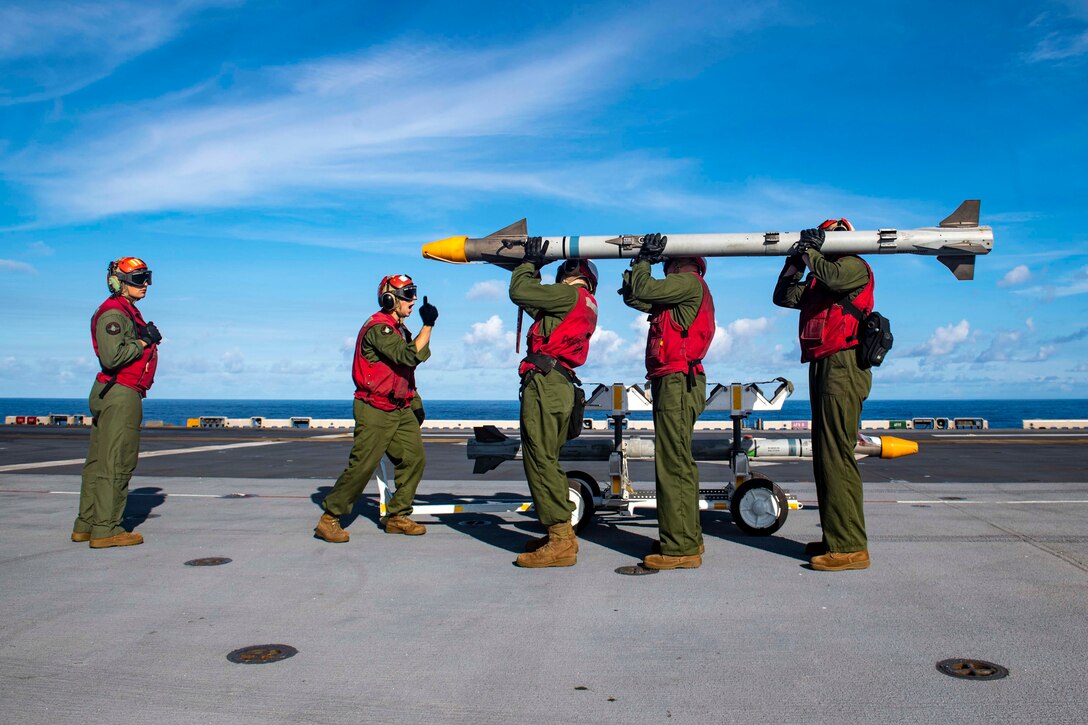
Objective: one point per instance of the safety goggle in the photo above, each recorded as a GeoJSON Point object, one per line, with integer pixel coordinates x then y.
{"type": "Point", "coordinates": [407, 292]}
{"type": "Point", "coordinates": [138, 279]}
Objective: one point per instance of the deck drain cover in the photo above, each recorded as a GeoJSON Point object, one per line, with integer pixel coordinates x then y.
{"type": "Point", "coordinates": [474, 522]}
{"type": "Point", "coordinates": [209, 561]}
{"type": "Point", "coordinates": [951, 498]}
{"type": "Point", "coordinates": [636, 570]}
{"type": "Point", "coordinates": [262, 653]}
{"type": "Point", "coordinates": [972, 669]}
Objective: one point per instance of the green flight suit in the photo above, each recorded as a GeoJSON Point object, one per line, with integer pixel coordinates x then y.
{"type": "Point", "coordinates": [676, 408]}
{"type": "Point", "coordinates": [837, 390]}
{"type": "Point", "coordinates": [546, 400]}
{"type": "Point", "coordinates": [379, 433]}
{"type": "Point", "coordinates": [115, 433]}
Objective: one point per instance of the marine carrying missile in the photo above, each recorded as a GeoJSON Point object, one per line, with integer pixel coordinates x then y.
{"type": "Point", "coordinates": [955, 242]}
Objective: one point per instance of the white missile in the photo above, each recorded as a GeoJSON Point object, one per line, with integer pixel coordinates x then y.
{"type": "Point", "coordinates": [955, 242]}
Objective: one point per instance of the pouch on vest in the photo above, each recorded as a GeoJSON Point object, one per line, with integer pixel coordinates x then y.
{"type": "Point", "coordinates": [874, 335]}
{"type": "Point", "coordinates": [577, 413]}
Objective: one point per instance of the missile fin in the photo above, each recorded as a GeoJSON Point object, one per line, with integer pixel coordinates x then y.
{"type": "Point", "coordinates": [963, 266]}
{"type": "Point", "coordinates": [965, 216]}
{"type": "Point", "coordinates": [488, 434]}
{"type": "Point", "coordinates": [515, 230]}
{"type": "Point", "coordinates": [485, 464]}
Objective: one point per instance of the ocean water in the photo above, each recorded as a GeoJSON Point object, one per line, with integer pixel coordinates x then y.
{"type": "Point", "coordinates": [999, 413]}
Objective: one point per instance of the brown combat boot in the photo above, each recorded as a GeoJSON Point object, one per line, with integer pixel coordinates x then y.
{"type": "Point", "coordinates": [655, 548]}
{"type": "Point", "coordinates": [533, 544]}
{"type": "Point", "coordinates": [124, 538]}
{"type": "Point", "coordinates": [404, 525]}
{"type": "Point", "coordinates": [561, 549]}
{"type": "Point", "coordinates": [664, 561]}
{"type": "Point", "coordinates": [328, 528]}
{"type": "Point", "coordinates": [835, 561]}
{"type": "Point", "coordinates": [81, 537]}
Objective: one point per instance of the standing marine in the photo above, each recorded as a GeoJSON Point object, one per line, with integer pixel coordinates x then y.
{"type": "Point", "coordinates": [388, 410]}
{"type": "Point", "coordinates": [565, 316]}
{"type": "Point", "coordinates": [127, 351]}
{"type": "Point", "coordinates": [681, 311]}
{"type": "Point", "coordinates": [837, 386]}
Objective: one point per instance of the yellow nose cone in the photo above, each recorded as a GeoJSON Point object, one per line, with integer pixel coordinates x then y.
{"type": "Point", "coordinates": [450, 249]}
{"type": "Point", "coordinates": [892, 447]}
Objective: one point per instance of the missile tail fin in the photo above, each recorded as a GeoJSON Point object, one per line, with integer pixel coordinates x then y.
{"type": "Point", "coordinates": [965, 216]}
{"type": "Point", "coordinates": [962, 265]}
{"type": "Point", "coordinates": [517, 229]}
{"type": "Point", "coordinates": [488, 434]}
{"type": "Point", "coordinates": [485, 464]}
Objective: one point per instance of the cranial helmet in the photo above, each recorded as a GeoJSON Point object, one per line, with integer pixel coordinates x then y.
{"type": "Point", "coordinates": [127, 270]}
{"type": "Point", "coordinates": [394, 287]}
{"type": "Point", "coordinates": [583, 268]}
{"type": "Point", "coordinates": [837, 225]}
{"type": "Point", "coordinates": [699, 262]}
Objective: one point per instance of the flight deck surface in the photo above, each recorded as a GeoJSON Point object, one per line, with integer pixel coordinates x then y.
{"type": "Point", "coordinates": [979, 546]}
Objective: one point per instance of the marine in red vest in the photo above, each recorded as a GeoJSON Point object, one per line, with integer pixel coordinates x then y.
{"type": "Point", "coordinates": [127, 350]}
{"type": "Point", "coordinates": [388, 410]}
{"type": "Point", "coordinates": [564, 318]}
{"type": "Point", "coordinates": [681, 315]}
{"type": "Point", "coordinates": [837, 386]}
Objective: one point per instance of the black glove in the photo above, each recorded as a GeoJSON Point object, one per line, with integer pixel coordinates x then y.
{"type": "Point", "coordinates": [419, 413]}
{"type": "Point", "coordinates": [795, 263]}
{"type": "Point", "coordinates": [535, 247]}
{"type": "Point", "coordinates": [151, 334]}
{"type": "Point", "coordinates": [428, 313]}
{"type": "Point", "coordinates": [652, 249]}
{"type": "Point", "coordinates": [810, 239]}
{"type": "Point", "coordinates": [625, 287]}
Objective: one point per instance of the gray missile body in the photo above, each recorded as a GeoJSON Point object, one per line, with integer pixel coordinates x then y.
{"type": "Point", "coordinates": [956, 241]}
{"type": "Point", "coordinates": [490, 447]}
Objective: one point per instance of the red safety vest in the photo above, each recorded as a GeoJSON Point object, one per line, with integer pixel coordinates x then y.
{"type": "Point", "coordinates": [672, 349]}
{"type": "Point", "coordinates": [825, 328]}
{"type": "Point", "coordinates": [385, 385]}
{"type": "Point", "coordinates": [569, 341]}
{"type": "Point", "coordinates": [140, 373]}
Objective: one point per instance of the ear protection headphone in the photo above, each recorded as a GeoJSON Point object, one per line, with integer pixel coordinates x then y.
{"type": "Point", "coordinates": [387, 300]}
{"type": "Point", "coordinates": [112, 281]}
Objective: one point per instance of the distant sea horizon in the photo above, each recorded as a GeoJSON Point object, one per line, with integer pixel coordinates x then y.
{"type": "Point", "coordinates": [999, 413]}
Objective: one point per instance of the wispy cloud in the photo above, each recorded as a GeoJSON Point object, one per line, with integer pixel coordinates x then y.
{"type": "Point", "coordinates": [52, 48]}
{"type": "Point", "coordinates": [1075, 283]}
{"type": "Point", "coordinates": [10, 265]}
{"type": "Point", "coordinates": [490, 289]}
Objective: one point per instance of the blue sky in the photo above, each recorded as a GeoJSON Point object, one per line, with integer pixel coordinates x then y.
{"type": "Point", "coordinates": [272, 160]}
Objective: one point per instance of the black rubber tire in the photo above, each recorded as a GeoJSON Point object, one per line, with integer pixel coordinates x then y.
{"type": "Point", "coordinates": [758, 485]}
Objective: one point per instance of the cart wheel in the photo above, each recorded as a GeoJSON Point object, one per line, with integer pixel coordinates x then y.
{"type": "Point", "coordinates": [759, 506]}
{"type": "Point", "coordinates": [583, 487]}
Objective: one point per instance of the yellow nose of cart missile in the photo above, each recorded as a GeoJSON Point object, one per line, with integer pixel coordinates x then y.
{"type": "Point", "coordinates": [892, 447]}
{"type": "Point", "coordinates": [450, 249]}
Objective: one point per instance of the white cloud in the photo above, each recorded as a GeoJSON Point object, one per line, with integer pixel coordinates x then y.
{"type": "Point", "coordinates": [1075, 283]}
{"type": "Point", "coordinates": [490, 289]}
{"type": "Point", "coordinates": [10, 265]}
{"type": "Point", "coordinates": [605, 343]}
{"type": "Point", "coordinates": [737, 332]}
{"type": "Point", "coordinates": [1017, 275]}
{"type": "Point", "coordinates": [233, 361]}
{"type": "Point", "coordinates": [52, 48]}
{"type": "Point", "coordinates": [489, 332]}
{"type": "Point", "coordinates": [40, 249]}
{"type": "Point", "coordinates": [945, 339]}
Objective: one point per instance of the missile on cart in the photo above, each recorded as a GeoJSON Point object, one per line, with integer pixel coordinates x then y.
{"type": "Point", "coordinates": [490, 447]}
{"type": "Point", "coordinates": [955, 242]}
